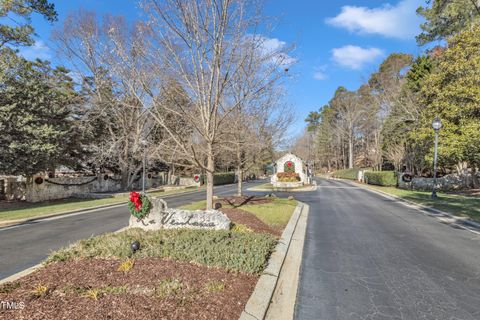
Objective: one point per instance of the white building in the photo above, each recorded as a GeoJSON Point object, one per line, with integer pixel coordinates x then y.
{"type": "Point", "coordinates": [289, 162]}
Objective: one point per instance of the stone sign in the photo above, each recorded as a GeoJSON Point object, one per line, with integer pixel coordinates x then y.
{"type": "Point", "coordinates": [160, 217]}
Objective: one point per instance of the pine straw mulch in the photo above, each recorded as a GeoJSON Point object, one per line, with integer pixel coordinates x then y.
{"type": "Point", "coordinates": [239, 216]}
{"type": "Point", "coordinates": [152, 289]}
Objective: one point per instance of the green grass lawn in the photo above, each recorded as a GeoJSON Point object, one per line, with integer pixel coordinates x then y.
{"type": "Point", "coordinates": [265, 186]}
{"type": "Point", "coordinates": [27, 210]}
{"type": "Point", "coordinates": [458, 205]}
{"type": "Point", "coordinates": [275, 214]}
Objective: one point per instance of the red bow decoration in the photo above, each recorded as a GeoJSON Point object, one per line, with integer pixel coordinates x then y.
{"type": "Point", "coordinates": [289, 163]}
{"type": "Point", "coordinates": [135, 198]}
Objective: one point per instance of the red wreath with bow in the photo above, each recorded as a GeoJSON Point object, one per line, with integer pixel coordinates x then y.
{"type": "Point", "coordinates": [139, 205]}
{"type": "Point", "coordinates": [135, 198]}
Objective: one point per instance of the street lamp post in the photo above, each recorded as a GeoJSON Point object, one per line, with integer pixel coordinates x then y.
{"type": "Point", "coordinates": [437, 125]}
{"type": "Point", "coordinates": [144, 144]}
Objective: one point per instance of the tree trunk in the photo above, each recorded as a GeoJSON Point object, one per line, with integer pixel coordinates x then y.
{"type": "Point", "coordinates": [350, 152]}
{"type": "Point", "coordinates": [475, 182]}
{"type": "Point", "coordinates": [240, 180]}
{"type": "Point", "coordinates": [210, 171]}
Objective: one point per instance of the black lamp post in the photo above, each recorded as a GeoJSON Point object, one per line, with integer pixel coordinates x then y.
{"type": "Point", "coordinates": [144, 144]}
{"type": "Point", "coordinates": [437, 125]}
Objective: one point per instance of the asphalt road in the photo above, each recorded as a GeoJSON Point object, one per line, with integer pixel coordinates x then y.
{"type": "Point", "coordinates": [26, 245]}
{"type": "Point", "coordinates": [368, 257]}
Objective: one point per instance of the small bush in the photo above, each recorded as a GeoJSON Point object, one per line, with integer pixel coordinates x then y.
{"type": "Point", "coordinates": [381, 178]}
{"type": "Point", "coordinates": [40, 290]}
{"type": "Point", "coordinates": [238, 251]}
{"type": "Point", "coordinates": [168, 288]}
{"type": "Point", "coordinates": [126, 265]}
{"type": "Point", "coordinates": [213, 286]}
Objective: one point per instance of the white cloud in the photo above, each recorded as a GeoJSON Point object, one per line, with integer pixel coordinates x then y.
{"type": "Point", "coordinates": [39, 50]}
{"type": "Point", "coordinates": [355, 57]}
{"type": "Point", "coordinates": [320, 73]}
{"type": "Point", "coordinates": [275, 48]}
{"type": "Point", "coordinates": [398, 21]}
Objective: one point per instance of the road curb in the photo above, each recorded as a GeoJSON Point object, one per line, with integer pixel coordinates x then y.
{"type": "Point", "coordinates": [261, 298]}
{"type": "Point", "coordinates": [430, 211]}
{"type": "Point", "coordinates": [12, 223]}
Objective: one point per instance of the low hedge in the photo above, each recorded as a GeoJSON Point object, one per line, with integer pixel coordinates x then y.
{"type": "Point", "coordinates": [219, 178]}
{"type": "Point", "coordinates": [288, 176]}
{"type": "Point", "coordinates": [351, 174]}
{"type": "Point", "coordinates": [239, 251]}
{"type": "Point", "coordinates": [381, 178]}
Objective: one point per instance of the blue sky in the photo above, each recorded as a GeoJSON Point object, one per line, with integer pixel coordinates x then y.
{"type": "Point", "coordinates": [336, 42]}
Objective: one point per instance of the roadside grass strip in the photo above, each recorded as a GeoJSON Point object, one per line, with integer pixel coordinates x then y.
{"type": "Point", "coordinates": [27, 210]}
{"type": "Point", "coordinates": [457, 205]}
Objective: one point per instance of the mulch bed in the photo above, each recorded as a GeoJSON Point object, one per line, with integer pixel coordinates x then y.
{"type": "Point", "coordinates": [239, 216]}
{"type": "Point", "coordinates": [152, 289]}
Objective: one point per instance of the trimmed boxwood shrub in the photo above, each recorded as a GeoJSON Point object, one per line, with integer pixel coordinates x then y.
{"type": "Point", "coordinates": [238, 251]}
{"type": "Point", "coordinates": [351, 174]}
{"type": "Point", "coordinates": [219, 178]}
{"type": "Point", "coordinates": [381, 178]}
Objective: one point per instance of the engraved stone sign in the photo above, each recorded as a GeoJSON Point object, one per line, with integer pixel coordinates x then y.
{"type": "Point", "coordinates": [160, 217]}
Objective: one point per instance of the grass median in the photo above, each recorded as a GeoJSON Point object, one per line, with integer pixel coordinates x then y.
{"type": "Point", "coordinates": [276, 213]}
{"type": "Point", "coordinates": [26, 210]}
{"type": "Point", "coordinates": [458, 205]}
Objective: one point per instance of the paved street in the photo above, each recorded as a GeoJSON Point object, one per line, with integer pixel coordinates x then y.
{"type": "Point", "coordinates": [26, 245]}
{"type": "Point", "coordinates": [368, 257]}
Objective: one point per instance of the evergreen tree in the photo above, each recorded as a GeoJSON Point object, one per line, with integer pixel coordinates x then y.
{"type": "Point", "coordinates": [36, 116]}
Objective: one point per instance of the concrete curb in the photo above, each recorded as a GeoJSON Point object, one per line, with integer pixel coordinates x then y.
{"type": "Point", "coordinates": [259, 302]}
{"type": "Point", "coordinates": [464, 223]}
{"type": "Point", "coordinates": [65, 213]}
{"type": "Point", "coordinates": [307, 189]}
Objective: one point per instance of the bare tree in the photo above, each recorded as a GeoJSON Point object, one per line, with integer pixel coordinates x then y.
{"type": "Point", "coordinates": [204, 45]}
{"type": "Point", "coordinates": [107, 57]}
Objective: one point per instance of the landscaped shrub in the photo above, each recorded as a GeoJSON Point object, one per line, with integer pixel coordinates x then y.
{"type": "Point", "coordinates": [240, 251]}
{"type": "Point", "coordinates": [381, 178]}
{"type": "Point", "coordinates": [351, 174]}
{"type": "Point", "coordinates": [288, 176]}
{"type": "Point", "coordinates": [219, 178]}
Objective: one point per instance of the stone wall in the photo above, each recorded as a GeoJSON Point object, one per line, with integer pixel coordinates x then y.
{"type": "Point", "coordinates": [66, 187]}
{"type": "Point", "coordinates": [445, 183]}
{"type": "Point", "coordinates": [12, 188]}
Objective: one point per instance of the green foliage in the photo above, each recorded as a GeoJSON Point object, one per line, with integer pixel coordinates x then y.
{"type": "Point", "coordinates": [219, 178]}
{"type": "Point", "coordinates": [381, 178]}
{"type": "Point", "coordinates": [246, 252]}
{"type": "Point", "coordinates": [21, 33]}
{"type": "Point", "coordinates": [445, 18]}
{"type": "Point", "coordinates": [289, 167]}
{"type": "Point", "coordinates": [168, 288]}
{"type": "Point", "coordinates": [420, 69]}
{"type": "Point", "coordinates": [351, 174]}
{"type": "Point", "coordinates": [452, 92]}
{"type": "Point", "coordinates": [36, 116]}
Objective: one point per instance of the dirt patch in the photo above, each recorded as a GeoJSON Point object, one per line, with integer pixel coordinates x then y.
{"type": "Point", "coordinates": [248, 219]}
{"type": "Point", "coordinates": [152, 289]}
{"type": "Point", "coordinates": [240, 201]}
